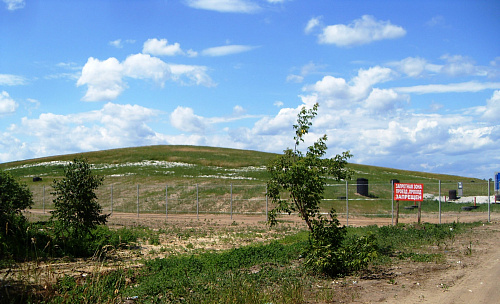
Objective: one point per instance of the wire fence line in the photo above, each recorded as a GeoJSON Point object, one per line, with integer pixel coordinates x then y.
{"type": "Point", "coordinates": [228, 199]}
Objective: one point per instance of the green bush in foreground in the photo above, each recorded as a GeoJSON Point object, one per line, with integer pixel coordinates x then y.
{"type": "Point", "coordinates": [14, 197]}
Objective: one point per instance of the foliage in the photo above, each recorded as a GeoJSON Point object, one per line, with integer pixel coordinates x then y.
{"type": "Point", "coordinates": [14, 197]}
{"type": "Point", "coordinates": [76, 208]}
{"type": "Point", "coordinates": [303, 178]}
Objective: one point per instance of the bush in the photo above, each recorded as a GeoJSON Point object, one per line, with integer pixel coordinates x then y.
{"type": "Point", "coordinates": [14, 198]}
{"type": "Point", "coordinates": [77, 211]}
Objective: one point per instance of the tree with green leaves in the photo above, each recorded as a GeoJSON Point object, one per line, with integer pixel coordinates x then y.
{"type": "Point", "coordinates": [14, 198]}
{"type": "Point", "coordinates": [297, 183]}
{"type": "Point", "coordinates": [303, 177]}
{"type": "Point", "coordinates": [75, 205]}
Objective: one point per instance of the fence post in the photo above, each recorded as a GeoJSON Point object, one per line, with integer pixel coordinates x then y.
{"type": "Point", "coordinates": [267, 205]}
{"type": "Point", "coordinates": [111, 198]}
{"type": "Point", "coordinates": [166, 201]}
{"type": "Point", "coordinates": [347, 202]}
{"type": "Point", "coordinates": [137, 200]}
{"type": "Point", "coordinates": [231, 204]}
{"type": "Point", "coordinates": [197, 204]}
{"type": "Point", "coordinates": [392, 206]}
{"type": "Point", "coordinates": [43, 199]}
{"type": "Point", "coordinates": [439, 201]}
{"type": "Point", "coordinates": [489, 214]}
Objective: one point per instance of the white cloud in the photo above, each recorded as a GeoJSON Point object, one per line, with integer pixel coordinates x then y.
{"type": "Point", "coordinates": [225, 6]}
{"type": "Point", "coordinates": [11, 80]}
{"type": "Point", "coordinates": [195, 74]}
{"type": "Point", "coordinates": [161, 48]}
{"type": "Point", "coordinates": [279, 124]}
{"type": "Point", "coordinates": [470, 86]}
{"type": "Point", "coordinates": [337, 92]}
{"type": "Point", "coordinates": [454, 66]}
{"type": "Point", "coordinates": [383, 100]}
{"type": "Point", "coordinates": [226, 50]}
{"type": "Point", "coordinates": [110, 127]}
{"type": "Point", "coordinates": [7, 104]}
{"type": "Point", "coordinates": [312, 24]}
{"type": "Point", "coordinates": [415, 66]}
{"type": "Point", "coordinates": [13, 5]}
{"type": "Point", "coordinates": [307, 69]}
{"type": "Point", "coordinates": [492, 109]}
{"type": "Point", "coordinates": [116, 43]}
{"type": "Point", "coordinates": [143, 66]}
{"type": "Point", "coordinates": [360, 31]}
{"type": "Point", "coordinates": [294, 78]}
{"type": "Point", "coordinates": [184, 119]}
{"type": "Point", "coordinates": [104, 79]}
{"type": "Point", "coordinates": [458, 65]}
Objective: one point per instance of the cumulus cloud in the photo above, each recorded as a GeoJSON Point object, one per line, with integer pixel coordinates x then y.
{"type": "Point", "coordinates": [184, 119]}
{"type": "Point", "coordinates": [162, 48]}
{"type": "Point", "coordinates": [383, 101]}
{"type": "Point", "coordinates": [226, 50]}
{"type": "Point", "coordinates": [338, 92]}
{"type": "Point", "coordinates": [104, 79]}
{"type": "Point", "coordinates": [110, 127]}
{"type": "Point", "coordinates": [415, 66]}
{"type": "Point", "coordinates": [492, 109]}
{"type": "Point", "coordinates": [458, 65]}
{"type": "Point", "coordinates": [225, 6]}
{"type": "Point", "coordinates": [7, 104]}
{"type": "Point", "coordinates": [143, 66]}
{"type": "Point", "coordinates": [360, 31]}
{"type": "Point", "coordinates": [13, 5]}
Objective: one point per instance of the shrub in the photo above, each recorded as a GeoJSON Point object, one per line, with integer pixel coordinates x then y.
{"type": "Point", "coordinates": [14, 197]}
{"type": "Point", "coordinates": [77, 211]}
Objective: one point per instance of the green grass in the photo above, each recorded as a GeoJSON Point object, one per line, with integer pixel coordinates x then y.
{"type": "Point", "coordinates": [214, 170]}
{"type": "Point", "coordinates": [265, 273]}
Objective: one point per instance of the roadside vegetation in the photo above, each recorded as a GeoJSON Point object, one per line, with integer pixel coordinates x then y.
{"type": "Point", "coordinates": [272, 263]}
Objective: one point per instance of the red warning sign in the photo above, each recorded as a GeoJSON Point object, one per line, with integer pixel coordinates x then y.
{"type": "Point", "coordinates": [408, 192]}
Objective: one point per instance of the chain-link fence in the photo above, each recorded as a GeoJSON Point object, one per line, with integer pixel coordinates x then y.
{"type": "Point", "coordinates": [349, 199]}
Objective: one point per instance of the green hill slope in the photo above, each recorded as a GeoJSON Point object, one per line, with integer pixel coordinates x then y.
{"type": "Point", "coordinates": [192, 163]}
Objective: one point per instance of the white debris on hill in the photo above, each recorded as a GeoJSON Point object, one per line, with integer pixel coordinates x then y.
{"type": "Point", "coordinates": [480, 199]}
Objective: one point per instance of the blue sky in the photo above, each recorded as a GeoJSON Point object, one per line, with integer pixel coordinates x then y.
{"type": "Point", "coordinates": [403, 84]}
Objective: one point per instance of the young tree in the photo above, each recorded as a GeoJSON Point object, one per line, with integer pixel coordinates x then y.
{"type": "Point", "coordinates": [297, 184]}
{"type": "Point", "coordinates": [76, 207]}
{"type": "Point", "coordinates": [303, 177]}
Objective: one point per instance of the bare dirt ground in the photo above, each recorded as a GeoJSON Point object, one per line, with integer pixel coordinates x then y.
{"type": "Point", "coordinates": [469, 273]}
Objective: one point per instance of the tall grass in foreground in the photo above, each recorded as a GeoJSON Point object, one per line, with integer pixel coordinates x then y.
{"type": "Point", "coordinates": [269, 273]}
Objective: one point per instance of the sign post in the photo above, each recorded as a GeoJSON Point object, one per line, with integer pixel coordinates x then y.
{"type": "Point", "coordinates": [409, 192]}
{"type": "Point", "coordinates": [497, 183]}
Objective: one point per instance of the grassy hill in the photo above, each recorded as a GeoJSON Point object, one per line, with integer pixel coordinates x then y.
{"type": "Point", "coordinates": [214, 176]}
{"type": "Point", "coordinates": [194, 163]}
